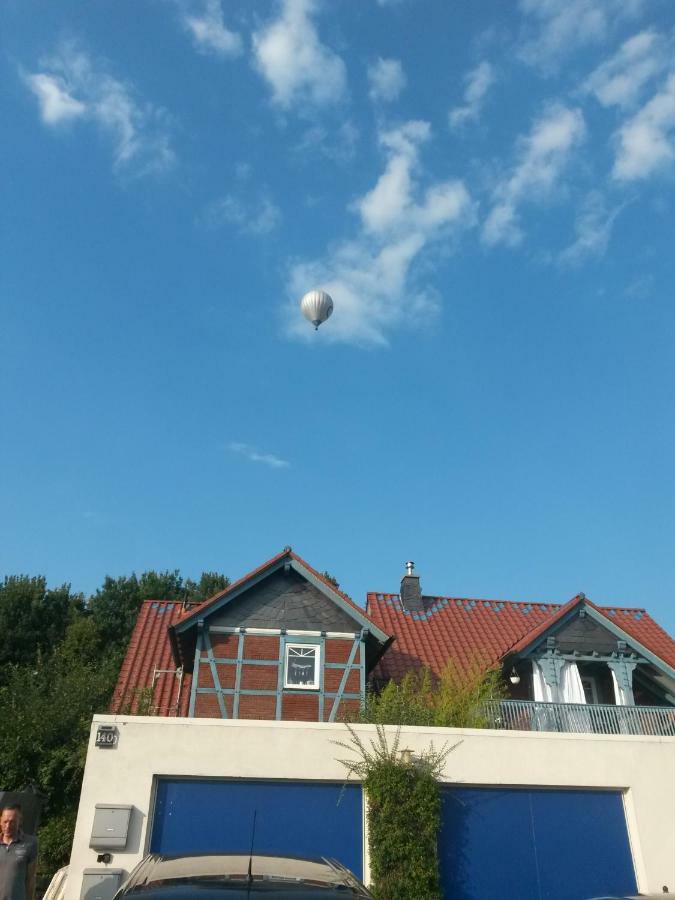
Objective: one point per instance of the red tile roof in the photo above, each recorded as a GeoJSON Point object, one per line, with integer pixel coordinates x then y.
{"type": "Point", "coordinates": [471, 631]}
{"type": "Point", "coordinates": [149, 650]}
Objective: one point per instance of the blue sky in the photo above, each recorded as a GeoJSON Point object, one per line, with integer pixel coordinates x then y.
{"type": "Point", "coordinates": [486, 191]}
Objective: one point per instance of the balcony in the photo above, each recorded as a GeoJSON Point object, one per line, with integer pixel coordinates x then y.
{"type": "Point", "coordinates": [579, 718]}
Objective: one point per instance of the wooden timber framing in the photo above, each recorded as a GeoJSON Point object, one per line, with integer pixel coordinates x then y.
{"type": "Point", "coordinates": [241, 671]}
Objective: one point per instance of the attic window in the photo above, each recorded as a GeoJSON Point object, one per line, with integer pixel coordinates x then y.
{"type": "Point", "coordinates": [302, 666]}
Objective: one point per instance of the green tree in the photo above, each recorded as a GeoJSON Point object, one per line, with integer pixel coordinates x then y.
{"type": "Point", "coordinates": [59, 662]}
{"type": "Point", "coordinates": [210, 584]}
{"type": "Point", "coordinates": [33, 619]}
{"type": "Point", "coordinates": [47, 709]}
{"type": "Point", "coordinates": [115, 605]}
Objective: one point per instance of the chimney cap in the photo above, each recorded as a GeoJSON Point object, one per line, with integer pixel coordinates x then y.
{"type": "Point", "coordinates": [409, 567]}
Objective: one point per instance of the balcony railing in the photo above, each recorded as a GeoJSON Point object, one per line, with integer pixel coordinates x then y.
{"type": "Point", "coordinates": [591, 718]}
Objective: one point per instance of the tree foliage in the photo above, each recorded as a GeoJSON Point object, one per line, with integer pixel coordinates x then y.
{"type": "Point", "coordinates": [455, 700]}
{"type": "Point", "coordinates": [33, 619]}
{"type": "Point", "coordinates": [59, 660]}
{"type": "Point", "coordinates": [115, 605]}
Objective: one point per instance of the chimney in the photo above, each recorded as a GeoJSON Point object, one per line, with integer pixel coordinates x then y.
{"type": "Point", "coordinates": [411, 593]}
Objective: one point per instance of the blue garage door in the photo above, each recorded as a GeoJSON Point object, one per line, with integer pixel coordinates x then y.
{"type": "Point", "coordinates": [296, 818]}
{"type": "Point", "coordinates": [534, 844]}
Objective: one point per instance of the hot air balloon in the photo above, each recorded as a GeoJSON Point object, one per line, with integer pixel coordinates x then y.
{"type": "Point", "coordinates": [316, 306]}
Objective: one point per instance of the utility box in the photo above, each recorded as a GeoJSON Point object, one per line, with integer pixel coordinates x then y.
{"type": "Point", "coordinates": [100, 884]}
{"type": "Point", "coordinates": [111, 826]}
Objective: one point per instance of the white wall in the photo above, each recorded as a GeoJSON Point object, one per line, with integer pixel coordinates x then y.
{"type": "Point", "coordinates": [148, 746]}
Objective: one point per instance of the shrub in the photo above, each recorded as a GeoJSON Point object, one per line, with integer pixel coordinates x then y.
{"type": "Point", "coordinates": [404, 813]}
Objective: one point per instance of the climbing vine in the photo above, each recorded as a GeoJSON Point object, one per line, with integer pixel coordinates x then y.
{"type": "Point", "coordinates": [404, 814]}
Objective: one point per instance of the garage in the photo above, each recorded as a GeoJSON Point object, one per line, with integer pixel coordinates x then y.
{"type": "Point", "coordinates": [297, 818]}
{"type": "Point", "coordinates": [534, 844]}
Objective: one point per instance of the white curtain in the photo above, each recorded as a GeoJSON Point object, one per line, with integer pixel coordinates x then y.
{"type": "Point", "coordinates": [543, 692]}
{"type": "Point", "coordinates": [571, 688]}
{"type": "Point", "coordinates": [621, 698]}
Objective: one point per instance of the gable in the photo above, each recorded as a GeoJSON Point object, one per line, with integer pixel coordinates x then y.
{"type": "Point", "coordinates": [285, 593]}
{"type": "Point", "coordinates": [283, 600]}
{"type": "Point", "coordinates": [584, 635]}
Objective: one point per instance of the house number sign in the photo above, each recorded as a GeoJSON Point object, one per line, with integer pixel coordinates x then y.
{"type": "Point", "coordinates": [106, 736]}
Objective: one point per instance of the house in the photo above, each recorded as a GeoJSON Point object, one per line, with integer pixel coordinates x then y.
{"type": "Point", "coordinates": [285, 643]}
{"type": "Point", "coordinates": [281, 643]}
{"type": "Point", "coordinates": [238, 740]}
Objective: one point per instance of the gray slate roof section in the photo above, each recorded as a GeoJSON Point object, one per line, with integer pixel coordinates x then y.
{"type": "Point", "coordinates": [284, 600]}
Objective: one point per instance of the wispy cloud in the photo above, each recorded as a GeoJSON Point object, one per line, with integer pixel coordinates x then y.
{"type": "Point", "coordinates": [299, 68]}
{"type": "Point", "coordinates": [478, 83]}
{"type": "Point", "coordinates": [256, 456]}
{"type": "Point", "coordinates": [555, 28]}
{"type": "Point", "coordinates": [256, 216]}
{"type": "Point", "coordinates": [593, 229]}
{"type": "Point", "coordinates": [387, 79]}
{"type": "Point", "coordinates": [646, 142]}
{"type": "Point", "coordinates": [337, 144]}
{"type": "Point", "coordinates": [542, 156]}
{"type": "Point", "coordinates": [621, 79]}
{"type": "Point", "coordinates": [70, 87]}
{"type": "Point", "coordinates": [372, 277]}
{"type": "Point", "coordinates": [205, 23]}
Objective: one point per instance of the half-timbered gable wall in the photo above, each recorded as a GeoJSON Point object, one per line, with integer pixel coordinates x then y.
{"type": "Point", "coordinates": [282, 650]}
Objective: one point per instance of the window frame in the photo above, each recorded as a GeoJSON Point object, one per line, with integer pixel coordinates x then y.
{"type": "Point", "coordinates": [301, 645]}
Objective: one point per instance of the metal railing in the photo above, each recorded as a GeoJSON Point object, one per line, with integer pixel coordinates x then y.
{"type": "Point", "coordinates": [591, 718]}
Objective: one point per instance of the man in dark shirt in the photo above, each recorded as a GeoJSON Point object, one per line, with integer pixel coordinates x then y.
{"type": "Point", "coordinates": [18, 857]}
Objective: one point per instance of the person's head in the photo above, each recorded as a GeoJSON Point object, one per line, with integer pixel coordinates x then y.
{"type": "Point", "coordinates": [10, 820]}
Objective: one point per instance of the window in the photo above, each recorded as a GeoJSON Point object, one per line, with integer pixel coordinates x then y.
{"type": "Point", "coordinates": [302, 666]}
{"type": "Point", "coordinates": [590, 686]}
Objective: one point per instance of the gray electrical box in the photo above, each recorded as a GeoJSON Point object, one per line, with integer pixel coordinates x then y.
{"type": "Point", "coordinates": [100, 884]}
{"type": "Point", "coordinates": [111, 826]}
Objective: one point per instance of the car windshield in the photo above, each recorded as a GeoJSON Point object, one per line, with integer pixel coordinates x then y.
{"type": "Point", "coordinates": [239, 889]}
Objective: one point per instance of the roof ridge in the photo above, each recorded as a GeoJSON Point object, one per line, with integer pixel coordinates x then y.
{"type": "Point", "coordinates": [554, 604]}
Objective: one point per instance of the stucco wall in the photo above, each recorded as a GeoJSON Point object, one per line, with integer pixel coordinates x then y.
{"type": "Point", "coordinates": [644, 767]}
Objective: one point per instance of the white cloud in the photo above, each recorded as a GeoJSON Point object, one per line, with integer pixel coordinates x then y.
{"type": "Point", "coordinates": [478, 83]}
{"type": "Point", "coordinates": [558, 27]}
{"type": "Point", "coordinates": [645, 143]}
{"type": "Point", "coordinates": [209, 32]}
{"type": "Point", "coordinates": [373, 278]}
{"type": "Point", "coordinates": [620, 80]}
{"type": "Point", "coordinates": [390, 199]}
{"type": "Point", "coordinates": [541, 159]}
{"type": "Point", "coordinates": [56, 104]}
{"type": "Point", "coordinates": [255, 217]}
{"type": "Point", "coordinates": [254, 455]}
{"type": "Point", "coordinates": [387, 79]}
{"type": "Point", "coordinates": [593, 230]}
{"type": "Point", "coordinates": [298, 67]}
{"type": "Point", "coordinates": [71, 87]}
